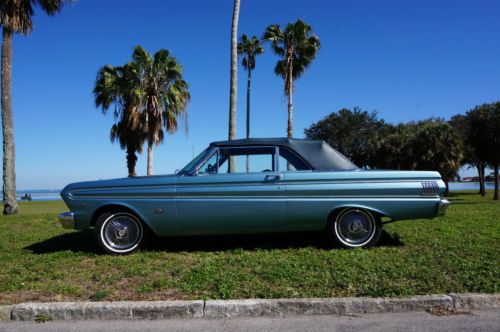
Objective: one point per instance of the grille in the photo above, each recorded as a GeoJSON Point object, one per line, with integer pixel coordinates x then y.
{"type": "Point", "coordinates": [430, 188]}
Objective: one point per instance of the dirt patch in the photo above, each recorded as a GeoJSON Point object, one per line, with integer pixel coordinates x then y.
{"type": "Point", "coordinates": [16, 297]}
{"type": "Point", "coordinates": [444, 311]}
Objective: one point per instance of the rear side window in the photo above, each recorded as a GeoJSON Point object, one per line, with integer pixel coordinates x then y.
{"type": "Point", "coordinates": [290, 161]}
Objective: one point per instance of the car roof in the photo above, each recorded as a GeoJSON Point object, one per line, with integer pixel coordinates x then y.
{"type": "Point", "coordinates": [319, 154]}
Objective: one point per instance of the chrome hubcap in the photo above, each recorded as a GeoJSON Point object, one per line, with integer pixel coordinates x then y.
{"type": "Point", "coordinates": [355, 227]}
{"type": "Point", "coordinates": [121, 232]}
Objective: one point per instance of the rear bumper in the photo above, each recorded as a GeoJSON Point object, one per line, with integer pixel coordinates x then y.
{"type": "Point", "coordinates": [67, 220]}
{"type": "Point", "coordinates": [442, 206]}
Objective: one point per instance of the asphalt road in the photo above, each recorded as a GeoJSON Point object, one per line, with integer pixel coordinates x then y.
{"type": "Point", "coordinates": [416, 321]}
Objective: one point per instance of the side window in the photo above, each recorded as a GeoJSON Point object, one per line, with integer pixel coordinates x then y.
{"type": "Point", "coordinates": [289, 161]}
{"type": "Point", "coordinates": [210, 165]}
{"type": "Point", "coordinates": [247, 159]}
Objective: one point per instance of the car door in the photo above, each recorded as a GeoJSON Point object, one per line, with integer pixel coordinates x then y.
{"type": "Point", "coordinates": [305, 207]}
{"type": "Point", "coordinates": [219, 198]}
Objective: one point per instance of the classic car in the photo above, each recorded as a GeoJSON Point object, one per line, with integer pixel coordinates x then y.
{"type": "Point", "coordinates": [254, 186]}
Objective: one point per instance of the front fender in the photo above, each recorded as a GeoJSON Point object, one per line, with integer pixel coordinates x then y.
{"type": "Point", "coordinates": [135, 208]}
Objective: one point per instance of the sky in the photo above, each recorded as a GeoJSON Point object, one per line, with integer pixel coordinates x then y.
{"type": "Point", "coordinates": [407, 60]}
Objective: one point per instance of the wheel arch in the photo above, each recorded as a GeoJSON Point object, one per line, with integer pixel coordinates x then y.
{"type": "Point", "coordinates": [377, 214]}
{"type": "Point", "coordinates": [114, 207]}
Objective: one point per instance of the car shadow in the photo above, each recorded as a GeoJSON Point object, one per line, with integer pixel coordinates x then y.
{"type": "Point", "coordinates": [252, 242]}
{"type": "Point", "coordinates": [83, 241]}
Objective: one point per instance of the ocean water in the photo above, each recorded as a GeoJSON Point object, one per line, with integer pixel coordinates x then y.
{"type": "Point", "coordinates": [40, 195]}
{"type": "Point", "coordinates": [469, 186]}
{"type": "Point", "coordinates": [52, 195]}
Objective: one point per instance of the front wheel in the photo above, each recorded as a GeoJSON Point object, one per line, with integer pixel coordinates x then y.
{"type": "Point", "coordinates": [119, 233]}
{"type": "Point", "coordinates": [354, 228]}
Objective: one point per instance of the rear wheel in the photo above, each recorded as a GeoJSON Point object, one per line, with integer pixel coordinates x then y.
{"type": "Point", "coordinates": [119, 233]}
{"type": "Point", "coordinates": [355, 228]}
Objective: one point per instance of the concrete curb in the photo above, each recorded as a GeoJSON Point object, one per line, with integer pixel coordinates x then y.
{"type": "Point", "coordinates": [107, 310]}
{"type": "Point", "coordinates": [5, 311]}
{"type": "Point", "coordinates": [334, 306]}
{"type": "Point", "coordinates": [476, 301]}
{"type": "Point", "coordinates": [243, 308]}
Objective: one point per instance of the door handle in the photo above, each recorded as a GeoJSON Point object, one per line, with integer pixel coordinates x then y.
{"type": "Point", "coordinates": [273, 177]}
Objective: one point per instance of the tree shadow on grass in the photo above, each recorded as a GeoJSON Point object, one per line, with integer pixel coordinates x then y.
{"type": "Point", "coordinates": [454, 202]}
{"type": "Point", "coordinates": [83, 241]}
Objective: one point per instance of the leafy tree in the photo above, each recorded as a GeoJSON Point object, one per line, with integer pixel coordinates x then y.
{"type": "Point", "coordinates": [249, 49]}
{"type": "Point", "coordinates": [114, 87]}
{"type": "Point", "coordinates": [437, 146]}
{"type": "Point", "coordinates": [494, 157]}
{"type": "Point", "coordinates": [297, 46]}
{"type": "Point", "coordinates": [16, 16]}
{"type": "Point", "coordinates": [461, 124]}
{"type": "Point", "coordinates": [430, 144]}
{"type": "Point", "coordinates": [161, 95]}
{"type": "Point", "coordinates": [396, 147]}
{"type": "Point", "coordinates": [485, 126]}
{"type": "Point", "coordinates": [355, 133]}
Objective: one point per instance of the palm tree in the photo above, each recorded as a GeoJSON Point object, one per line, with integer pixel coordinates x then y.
{"type": "Point", "coordinates": [249, 49]}
{"type": "Point", "coordinates": [115, 86]}
{"type": "Point", "coordinates": [233, 72]}
{"type": "Point", "coordinates": [298, 47]}
{"type": "Point", "coordinates": [162, 95]}
{"type": "Point", "coordinates": [233, 88]}
{"type": "Point", "coordinates": [129, 137]}
{"type": "Point", "coordinates": [15, 17]}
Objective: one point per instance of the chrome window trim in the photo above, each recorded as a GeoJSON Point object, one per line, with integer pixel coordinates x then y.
{"type": "Point", "coordinates": [202, 161]}
{"type": "Point", "coordinates": [298, 157]}
{"type": "Point", "coordinates": [217, 150]}
{"type": "Point", "coordinates": [276, 159]}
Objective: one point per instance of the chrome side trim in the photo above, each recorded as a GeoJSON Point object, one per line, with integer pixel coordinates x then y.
{"type": "Point", "coordinates": [67, 220]}
{"type": "Point", "coordinates": [442, 206]}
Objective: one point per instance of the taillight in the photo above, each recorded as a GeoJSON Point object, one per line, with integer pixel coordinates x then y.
{"type": "Point", "coordinates": [430, 188]}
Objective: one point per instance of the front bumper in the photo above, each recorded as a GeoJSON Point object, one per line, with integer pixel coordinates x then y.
{"type": "Point", "coordinates": [442, 206]}
{"type": "Point", "coordinates": [67, 220]}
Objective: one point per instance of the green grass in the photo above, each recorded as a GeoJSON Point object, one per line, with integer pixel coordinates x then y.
{"type": "Point", "coordinates": [458, 253]}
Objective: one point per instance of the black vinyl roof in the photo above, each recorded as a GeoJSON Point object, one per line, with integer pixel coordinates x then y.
{"type": "Point", "coordinates": [319, 154]}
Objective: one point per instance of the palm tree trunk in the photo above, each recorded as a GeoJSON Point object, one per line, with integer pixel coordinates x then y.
{"type": "Point", "coordinates": [289, 130]}
{"type": "Point", "coordinates": [150, 158]}
{"type": "Point", "coordinates": [234, 79]}
{"type": "Point", "coordinates": [290, 101]}
{"type": "Point", "coordinates": [9, 171]}
{"type": "Point", "coordinates": [248, 101]}
{"type": "Point", "coordinates": [131, 160]}
{"type": "Point", "coordinates": [248, 112]}
{"type": "Point", "coordinates": [495, 194]}
{"type": "Point", "coordinates": [480, 171]}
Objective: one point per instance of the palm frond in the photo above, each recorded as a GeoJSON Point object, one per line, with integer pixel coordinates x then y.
{"type": "Point", "coordinates": [16, 15]}
{"type": "Point", "coordinates": [51, 7]}
{"type": "Point", "coordinates": [297, 46]}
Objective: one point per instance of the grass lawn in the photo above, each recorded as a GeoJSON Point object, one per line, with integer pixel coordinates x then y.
{"type": "Point", "coordinates": [458, 253]}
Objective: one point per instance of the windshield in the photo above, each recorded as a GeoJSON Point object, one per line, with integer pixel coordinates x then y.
{"type": "Point", "coordinates": [189, 168]}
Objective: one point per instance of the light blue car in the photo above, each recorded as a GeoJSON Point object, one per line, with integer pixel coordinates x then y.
{"type": "Point", "coordinates": [254, 186]}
